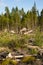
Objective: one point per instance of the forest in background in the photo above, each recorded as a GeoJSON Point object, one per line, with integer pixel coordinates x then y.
{"type": "Point", "coordinates": [17, 19]}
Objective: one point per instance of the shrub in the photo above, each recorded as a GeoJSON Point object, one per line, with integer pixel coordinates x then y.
{"type": "Point", "coordinates": [38, 39]}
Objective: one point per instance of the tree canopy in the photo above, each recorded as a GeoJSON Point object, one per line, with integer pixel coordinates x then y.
{"type": "Point", "coordinates": [17, 19]}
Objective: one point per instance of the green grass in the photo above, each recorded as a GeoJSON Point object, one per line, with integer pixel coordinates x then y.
{"type": "Point", "coordinates": [17, 40]}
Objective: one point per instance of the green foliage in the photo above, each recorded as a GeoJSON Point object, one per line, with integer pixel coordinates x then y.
{"type": "Point", "coordinates": [38, 38]}
{"type": "Point", "coordinates": [17, 19]}
{"type": "Point", "coordinates": [12, 41]}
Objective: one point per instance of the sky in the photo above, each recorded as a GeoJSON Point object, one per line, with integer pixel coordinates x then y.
{"type": "Point", "coordinates": [26, 4]}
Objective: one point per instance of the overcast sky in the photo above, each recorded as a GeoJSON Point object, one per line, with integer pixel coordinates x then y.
{"type": "Point", "coordinates": [26, 4]}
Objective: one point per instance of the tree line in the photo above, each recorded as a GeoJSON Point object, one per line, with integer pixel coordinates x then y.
{"type": "Point", "coordinates": [17, 19]}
